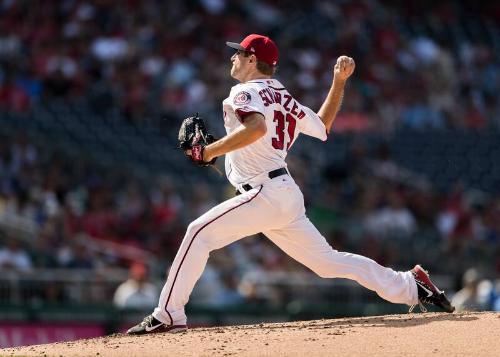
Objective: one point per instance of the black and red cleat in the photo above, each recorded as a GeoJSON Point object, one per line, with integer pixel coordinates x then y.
{"type": "Point", "coordinates": [428, 293]}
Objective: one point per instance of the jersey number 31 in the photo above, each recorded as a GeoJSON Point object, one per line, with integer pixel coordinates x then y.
{"type": "Point", "coordinates": [281, 121]}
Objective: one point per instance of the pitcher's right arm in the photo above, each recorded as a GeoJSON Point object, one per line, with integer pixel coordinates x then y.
{"type": "Point", "coordinates": [343, 69]}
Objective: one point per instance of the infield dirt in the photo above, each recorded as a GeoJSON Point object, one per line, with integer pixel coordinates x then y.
{"type": "Point", "coordinates": [429, 334]}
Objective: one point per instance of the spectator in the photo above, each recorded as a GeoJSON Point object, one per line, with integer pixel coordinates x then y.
{"type": "Point", "coordinates": [76, 257]}
{"type": "Point", "coordinates": [137, 292]}
{"type": "Point", "coordinates": [475, 293]}
{"type": "Point", "coordinates": [392, 220]}
{"type": "Point", "coordinates": [12, 256]}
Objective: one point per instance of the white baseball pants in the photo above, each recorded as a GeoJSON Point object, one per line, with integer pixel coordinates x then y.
{"type": "Point", "coordinates": [275, 208]}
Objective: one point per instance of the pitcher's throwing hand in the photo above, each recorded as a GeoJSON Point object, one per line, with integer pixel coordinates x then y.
{"type": "Point", "coordinates": [344, 68]}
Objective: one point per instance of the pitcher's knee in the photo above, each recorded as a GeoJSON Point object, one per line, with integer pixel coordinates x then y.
{"type": "Point", "coordinates": [200, 236]}
{"type": "Point", "coordinates": [193, 229]}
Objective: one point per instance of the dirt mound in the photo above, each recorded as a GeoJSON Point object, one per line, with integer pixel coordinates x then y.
{"type": "Point", "coordinates": [464, 334]}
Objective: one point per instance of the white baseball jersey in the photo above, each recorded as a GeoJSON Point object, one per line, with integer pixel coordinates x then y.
{"type": "Point", "coordinates": [285, 119]}
{"type": "Point", "coordinates": [273, 206]}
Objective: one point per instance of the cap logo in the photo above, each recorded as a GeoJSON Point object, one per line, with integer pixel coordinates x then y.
{"type": "Point", "coordinates": [252, 49]}
{"type": "Point", "coordinates": [242, 98]}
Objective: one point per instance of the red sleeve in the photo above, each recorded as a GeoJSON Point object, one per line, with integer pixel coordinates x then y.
{"type": "Point", "coordinates": [242, 114]}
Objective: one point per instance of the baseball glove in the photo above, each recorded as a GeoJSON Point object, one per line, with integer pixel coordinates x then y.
{"type": "Point", "coordinates": [193, 137]}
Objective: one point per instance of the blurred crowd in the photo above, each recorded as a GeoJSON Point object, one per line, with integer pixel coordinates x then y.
{"type": "Point", "coordinates": [370, 205]}
{"type": "Point", "coordinates": [419, 64]}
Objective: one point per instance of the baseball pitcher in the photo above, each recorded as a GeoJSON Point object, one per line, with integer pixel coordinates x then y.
{"type": "Point", "coordinates": [263, 120]}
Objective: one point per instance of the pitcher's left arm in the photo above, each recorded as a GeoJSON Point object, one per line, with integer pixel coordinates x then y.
{"type": "Point", "coordinates": [252, 129]}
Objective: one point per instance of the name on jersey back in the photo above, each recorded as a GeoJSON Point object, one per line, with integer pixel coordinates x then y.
{"type": "Point", "coordinates": [270, 96]}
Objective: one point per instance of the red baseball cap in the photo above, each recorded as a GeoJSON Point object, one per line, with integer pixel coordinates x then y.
{"type": "Point", "coordinates": [261, 46]}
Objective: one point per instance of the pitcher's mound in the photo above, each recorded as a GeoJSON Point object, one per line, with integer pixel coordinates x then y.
{"type": "Point", "coordinates": [430, 334]}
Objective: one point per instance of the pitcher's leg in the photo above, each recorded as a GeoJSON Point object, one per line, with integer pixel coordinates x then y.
{"type": "Point", "coordinates": [302, 241]}
{"type": "Point", "coordinates": [195, 264]}
{"type": "Point", "coordinates": [215, 229]}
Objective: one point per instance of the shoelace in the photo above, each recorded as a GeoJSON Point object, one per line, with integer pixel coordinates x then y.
{"type": "Point", "coordinates": [420, 305]}
{"type": "Point", "coordinates": [420, 301]}
{"type": "Point", "coordinates": [147, 320]}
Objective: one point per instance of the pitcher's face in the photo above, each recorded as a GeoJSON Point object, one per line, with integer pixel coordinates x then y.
{"type": "Point", "coordinates": [240, 61]}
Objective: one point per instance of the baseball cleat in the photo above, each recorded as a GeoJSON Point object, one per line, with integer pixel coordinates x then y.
{"type": "Point", "coordinates": [152, 325]}
{"type": "Point", "coordinates": [428, 293]}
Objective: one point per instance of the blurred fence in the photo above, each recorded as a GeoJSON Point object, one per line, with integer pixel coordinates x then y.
{"type": "Point", "coordinates": [53, 295]}
{"type": "Point", "coordinates": [59, 286]}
